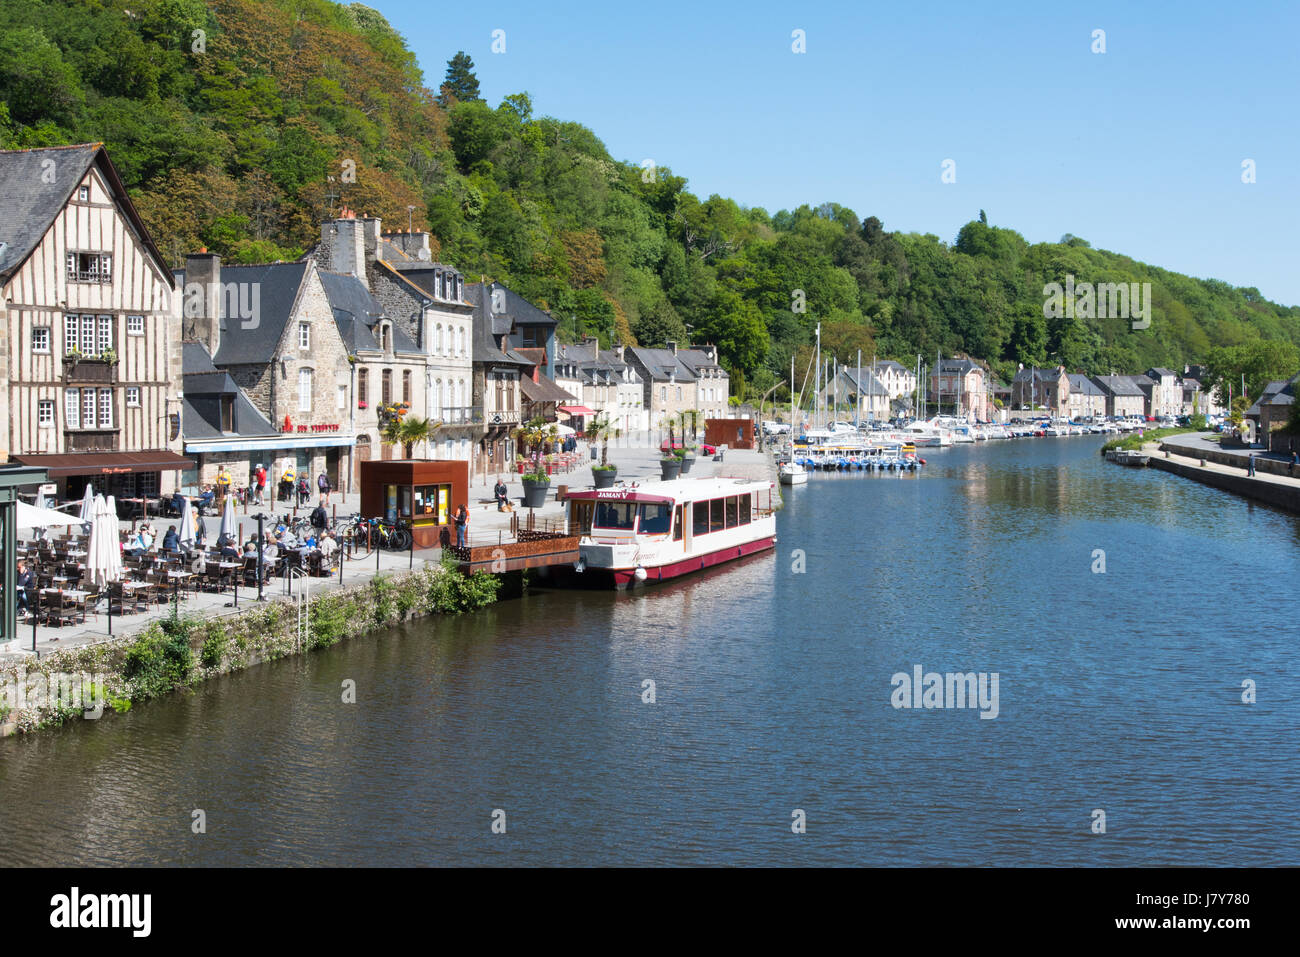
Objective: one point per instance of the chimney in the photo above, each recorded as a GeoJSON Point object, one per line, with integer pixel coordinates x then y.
{"type": "Point", "coordinates": [590, 340]}
{"type": "Point", "coordinates": [343, 245]}
{"type": "Point", "coordinates": [672, 346]}
{"type": "Point", "coordinates": [618, 351]}
{"type": "Point", "coordinates": [201, 300]}
{"type": "Point", "coordinates": [371, 230]}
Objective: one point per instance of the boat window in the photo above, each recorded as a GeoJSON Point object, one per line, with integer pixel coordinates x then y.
{"type": "Point", "coordinates": [732, 512]}
{"type": "Point", "coordinates": [744, 509]}
{"type": "Point", "coordinates": [655, 519]}
{"type": "Point", "coordinates": [619, 515]}
{"type": "Point", "coordinates": [677, 524]}
{"type": "Point", "coordinates": [716, 523]}
{"type": "Point", "coordinates": [700, 525]}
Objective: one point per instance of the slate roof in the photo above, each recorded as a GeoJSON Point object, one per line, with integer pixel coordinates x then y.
{"type": "Point", "coordinates": [1038, 374]}
{"type": "Point", "coordinates": [202, 383]}
{"type": "Point", "coordinates": [244, 343]}
{"type": "Point", "coordinates": [888, 365]}
{"type": "Point", "coordinates": [543, 390]}
{"type": "Point", "coordinates": [484, 332]}
{"type": "Point", "coordinates": [662, 365]}
{"type": "Point", "coordinates": [868, 385]}
{"type": "Point", "coordinates": [957, 366]}
{"type": "Point", "coordinates": [1081, 384]}
{"type": "Point", "coordinates": [1162, 372]}
{"type": "Point", "coordinates": [195, 359]}
{"type": "Point", "coordinates": [31, 204]}
{"type": "Point", "coordinates": [1117, 385]}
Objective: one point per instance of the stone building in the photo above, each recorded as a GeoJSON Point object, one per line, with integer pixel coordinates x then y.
{"type": "Point", "coordinates": [273, 330]}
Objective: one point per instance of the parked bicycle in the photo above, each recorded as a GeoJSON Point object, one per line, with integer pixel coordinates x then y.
{"type": "Point", "coordinates": [361, 536]}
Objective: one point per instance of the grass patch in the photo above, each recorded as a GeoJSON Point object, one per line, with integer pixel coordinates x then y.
{"type": "Point", "coordinates": [1132, 443]}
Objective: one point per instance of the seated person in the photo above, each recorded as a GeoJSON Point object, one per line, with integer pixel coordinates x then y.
{"type": "Point", "coordinates": [501, 493]}
{"type": "Point", "coordinates": [140, 543]}
{"type": "Point", "coordinates": [178, 502]}
{"type": "Point", "coordinates": [227, 546]}
{"type": "Point", "coordinates": [288, 539]}
{"type": "Point", "coordinates": [25, 588]}
{"type": "Point", "coordinates": [328, 546]}
{"type": "Point", "coordinates": [270, 550]}
{"type": "Point", "coordinates": [207, 498]}
{"type": "Point", "coordinates": [171, 541]}
{"type": "Point", "coordinates": [310, 543]}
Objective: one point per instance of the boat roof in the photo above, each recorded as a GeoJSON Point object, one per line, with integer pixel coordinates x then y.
{"type": "Point", "coordinates": [677, 490]}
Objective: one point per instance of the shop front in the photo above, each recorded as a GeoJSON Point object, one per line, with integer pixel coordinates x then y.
{"type": "Point", "coordinates": [420, 493]}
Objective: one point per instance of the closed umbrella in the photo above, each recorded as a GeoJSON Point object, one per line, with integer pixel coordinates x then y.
{"type": "Point", "coordinates": [227, 532]}
{"type": "Point", "coordinates": [104, 554]}
{"type": "Point", "coordinates": [87, 514]}
{"type": "Point", "coordinates": [185, 531]}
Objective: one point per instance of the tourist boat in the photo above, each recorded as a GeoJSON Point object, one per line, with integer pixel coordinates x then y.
{"type": "Point", "coordinates": [653, 532]}
{"type": "Point", "coordinates": [792, 473]}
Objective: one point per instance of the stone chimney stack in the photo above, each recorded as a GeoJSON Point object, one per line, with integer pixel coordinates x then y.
{"type": "Point", "coordinates": [672, 346]}
{"type": "Point", "coordinates": [343, 245]}
{"type": "Point", "coordinates": [201, 300]}
{"type": "Point", "coordinates": [618, 351]}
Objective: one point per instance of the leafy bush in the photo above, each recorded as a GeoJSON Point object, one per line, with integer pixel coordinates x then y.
{"type": "Point", "coordinates": [159, 660]}
{"type": "Point", "coordinates": [214, 646]}
{"type": "Point", "coordinates": [452, 592]}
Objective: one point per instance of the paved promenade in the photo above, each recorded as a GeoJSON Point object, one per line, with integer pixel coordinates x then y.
{"type": "Point", "coordinates": [637, 460]}
{"type": "Point", "coordinates": [1271, 484]}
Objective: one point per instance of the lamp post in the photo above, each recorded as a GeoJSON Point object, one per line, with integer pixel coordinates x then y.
{"type": "Point", "coordinates": [261, 520]}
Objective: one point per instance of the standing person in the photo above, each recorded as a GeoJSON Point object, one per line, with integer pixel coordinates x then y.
{"type": "Point", "coordinates": [319, 517]}
{"type": "Point", "coordinates": [1290, 469]}
{"type": "Point", "coordinates": [323, 486]}
{"type": "Point", "coordinates": [462, 520]}
{"type": "Point", "coordinates": [1250, 464]}
{"type": "Point", "coordinates": [223, 485]}
{"type": "Point", "coordinates": [304, 490]}
{"type": "Point", "coordinates": [259, 483]}
{"type": "Point", "coordinates": [286, 482]}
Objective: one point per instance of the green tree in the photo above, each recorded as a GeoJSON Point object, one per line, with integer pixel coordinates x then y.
{"type": "Point", "coordinates": [460, 84]}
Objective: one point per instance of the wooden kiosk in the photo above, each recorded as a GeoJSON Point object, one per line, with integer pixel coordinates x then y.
{"type": "Point", "coordinates": [422, 492]}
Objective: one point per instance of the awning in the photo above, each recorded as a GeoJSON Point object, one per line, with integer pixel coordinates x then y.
{"type": "Point", "coordinates": [576, 410]}
{"type": "Point", "coordinates": [270, 443]}
{"type": "Point", "coordinates": [107, 463]}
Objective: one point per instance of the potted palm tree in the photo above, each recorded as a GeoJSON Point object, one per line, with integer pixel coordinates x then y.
{"type": "Point", "coordinates": [687, 453]}
{"type": "Point", "coordinates": [602, 430]}
{"type": "Point", "coordinates": [413, 430]}
{"type": "Point", "coordinates": [670, 465]}
{"type": "Point", "coordinates": [532, 436]}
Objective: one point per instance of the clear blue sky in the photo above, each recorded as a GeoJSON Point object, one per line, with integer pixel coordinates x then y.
{"type": "Point", "coordinates": [1137, 150]}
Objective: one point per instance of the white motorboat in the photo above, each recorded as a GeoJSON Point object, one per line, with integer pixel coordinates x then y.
{"type": "Point", "coordinates": [792, 473]}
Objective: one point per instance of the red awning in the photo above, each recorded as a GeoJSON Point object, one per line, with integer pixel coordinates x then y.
{"type": "Point", "coordinates": [576, 410]}
{"type": "Point", "coordinates": [106, 463]}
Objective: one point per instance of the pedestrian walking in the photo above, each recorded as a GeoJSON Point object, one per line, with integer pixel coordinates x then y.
{"type": "Point", "coordinates": [323, 486]}
{"type": "Point", "coordinates": [304, 491]}
{"type": "Point", "coordinates": [286, 482]}
{"type": "Point", "coordinates": [259, 484]}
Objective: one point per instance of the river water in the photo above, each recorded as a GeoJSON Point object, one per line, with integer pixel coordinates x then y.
{"type": "Point", "coordinates": [1118, 691]}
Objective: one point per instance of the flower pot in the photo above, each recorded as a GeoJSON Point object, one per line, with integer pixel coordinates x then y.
{"type": "Point", "coordinates": [520, 467]}
{"type": "Point", "coordinates": [604, 478]}
{"type": "Point", "coordinates": [535, 492]}
{"type": "Point", "coordinates": [687, 462]}
{"type": "Point", "coordinates": [669, 469]}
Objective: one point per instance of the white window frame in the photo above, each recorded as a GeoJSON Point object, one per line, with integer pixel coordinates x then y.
{"type": "Point", "coordinates": [83, 194]}
{"type": "Point", "coordinates": [133, 397]}
{"type": "Point", "coordinates": [45, 413]}
{"type": "Point", "coordinates": [343, 397]}
{"type": "Point", "coordinates": [48, 337]}
{"type": "Point", "coordinates": [304, 396]}
{"type": "Point", "coordinates": [72, 408]}
{"type": "Point", "coordinates": [89, 406]}
{"type": "Point", "coordinates": [304, 335]}
{"type": "Point", "coordinates": [135, 325]}
{"type": "Point", "coordinates": [106, 409]}
{"type": "Point", "coordinates": [103, 334]}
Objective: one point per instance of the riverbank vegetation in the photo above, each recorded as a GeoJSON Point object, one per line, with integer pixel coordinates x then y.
{"type": "Point", "coordinates": [181, 651]}
{"type": "Point", "coordinates": [240, 125]}
{"type": "Point", "coordinates": [1134, 442]}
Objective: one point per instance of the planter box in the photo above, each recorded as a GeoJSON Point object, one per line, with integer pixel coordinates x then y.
{"type": "Point", "coordinates": [669, 469]}
{"type": "Point", "coordinates": [687, 462]}
{"type": "Point", "coordinates": [535, 493]}
{"type": "Point", "coordinates": [604, 478]}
